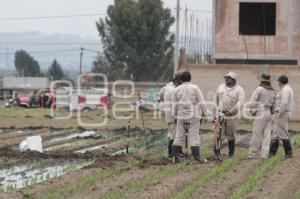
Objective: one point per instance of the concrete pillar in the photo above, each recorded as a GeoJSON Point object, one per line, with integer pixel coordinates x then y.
{"type": "Point", "coordinates": [182, 59]}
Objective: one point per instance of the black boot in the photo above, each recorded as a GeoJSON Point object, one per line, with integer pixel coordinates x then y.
{"type": "Point", "coordinates": [181, 152]}
{"type": "Point", "coordinates": [287, 149]}
{"type": "Point", "coordinates": [196, 153]}
{"type": "Point", "coordinates": [170, 143]}
{"type": "Point", "coordinates": [231, 147]}
{"type": "Point", "coordinates": [217, 154]}
{"type": "Point", "coordinates": [273, 147]}
{"type": "Point", "coordinates": [176, 153]}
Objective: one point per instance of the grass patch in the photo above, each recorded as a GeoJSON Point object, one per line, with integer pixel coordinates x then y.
{"type": "Point", "coordinates": [3, 159]}
{"type": "Point", "coordinates": [260, 173]}
{"type": "Point", "coordinates": [210, 175]}
{"type": "Point", "coordinates": [150, 180]}
{"type": "Point", "coordinates": [297, 196]}
{"type": "Point", "coordinates": [296, 140]}
{"type": "Point", "coordinates": [23, 112]}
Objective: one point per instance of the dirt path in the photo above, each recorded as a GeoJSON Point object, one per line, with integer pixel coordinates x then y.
{"type": "Point", "coordinates": [222, 186]}
{"type": "Point", "coordinates": [283, 182]}
{"type": "Point", "coordinates": [174, 183]}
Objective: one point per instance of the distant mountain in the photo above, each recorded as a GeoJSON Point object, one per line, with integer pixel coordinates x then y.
{"type": "Point", "coordinates": [46, 48]}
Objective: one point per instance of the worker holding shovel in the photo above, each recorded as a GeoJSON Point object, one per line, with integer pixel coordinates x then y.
{"type": "Point", "coordinates": [188, 101]}
{"type": "Point", "coordinates": [228, 102]}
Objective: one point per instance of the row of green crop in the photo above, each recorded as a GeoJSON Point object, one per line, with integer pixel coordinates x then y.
{"type": "Point", "coordinates": [187, 191]}
{"type": "Point", "coordinates": [147, 181]}
{"type": "Point", "coordinates": [90, 180]}
{"type": "Point", "coordinates": [243, 189]}
{"type": "Point", "coordinates": [261, 172]}
{"type": "Point", "coordinates": [144, 182]}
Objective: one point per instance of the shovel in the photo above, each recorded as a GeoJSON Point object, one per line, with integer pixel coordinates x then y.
{"type": "Point", "coordinates": [186, 127]}
{"type": "Point", "coordinates": [218, 140]}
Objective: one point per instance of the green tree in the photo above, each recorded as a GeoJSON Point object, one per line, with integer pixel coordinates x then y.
{"type": "Point", "coordinates": [26, 65]}
{"type": "Point", "coordinates": [101, 65]}
{"type": "Point", "coordinates": [55, 71]}
{"type": "Point", "coordinates": [136, 39]}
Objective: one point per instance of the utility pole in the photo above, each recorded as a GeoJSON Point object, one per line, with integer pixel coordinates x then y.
{"type": "Point", "coordinates": [176, 56]}
{"type": "Point", "coordinates": [81, 54]}
{"type": "Point", "coordinates": [6, 58]}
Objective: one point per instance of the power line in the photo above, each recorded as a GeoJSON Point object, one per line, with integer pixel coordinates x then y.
{"type": "Point", "coordinates": [46, 51]}
{"type": "Point", "coordinates": [50, 17]}
{"type": "Point", "coordinates": [54, 51]}
{"type": "Point", "coordinates": [92, 51]}
{"type": "Point", "coordinates": [50, 43]}
{"type": "Point", "coordinates": [79, 15]}
{"type": "Point", "coordinates": [194, 10]}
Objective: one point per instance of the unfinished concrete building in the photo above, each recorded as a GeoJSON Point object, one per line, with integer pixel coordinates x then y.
{"type": "Point", "coordinates": [256, 32]}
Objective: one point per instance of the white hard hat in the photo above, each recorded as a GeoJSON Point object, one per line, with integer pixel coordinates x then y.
{"type": "Point", "coordinates": [231, 75]}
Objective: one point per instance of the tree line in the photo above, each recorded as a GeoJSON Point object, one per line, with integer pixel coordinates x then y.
{"type": "Point", "coordinates": [27, 66]}
{"type": "Point", "coordinates": [137, 44]}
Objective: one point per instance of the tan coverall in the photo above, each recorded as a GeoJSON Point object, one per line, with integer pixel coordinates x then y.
{"type": "Point", "coordinates": [169, 95]}
{"type": "Point", "coordinates": [189, 108]}
{"type": "Point", "coordinates": [231, 100]}
{"type": "Point", "coordinates": [262, 104]}
{"type": "Point", "coordinates": [284, 108]}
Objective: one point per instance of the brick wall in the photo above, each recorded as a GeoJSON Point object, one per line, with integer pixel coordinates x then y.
{"type": "Point", "coordinates": [285, 45]}
{"type": "Point", "coordinates": [208, 77]}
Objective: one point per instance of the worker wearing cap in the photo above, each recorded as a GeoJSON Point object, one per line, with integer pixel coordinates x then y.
{"type": "Point", "coordinates": [167, 95]}
{"type": "Point", "coordinates": [284, 108]}
{"type": "Point", "coordinates": [262, 107]}
{"type": "Point", "coordinates": [228, 102]}
{"type": "Point", "coordinates": [189, 108]}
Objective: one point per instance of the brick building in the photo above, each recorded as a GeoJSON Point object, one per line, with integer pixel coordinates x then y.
{"type": "Point", "coordinates": [256, 31]}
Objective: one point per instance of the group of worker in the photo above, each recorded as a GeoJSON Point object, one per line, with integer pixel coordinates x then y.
{"type": "Point", "coordinates": [36, 100]}
{"type": "Point", "coordinates": [185, 110]}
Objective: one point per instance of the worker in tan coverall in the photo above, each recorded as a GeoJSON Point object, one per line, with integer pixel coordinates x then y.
{"type": "Point", "coordinates": [167, 95]}
{"type": "Point", "coordinates": [284, 108]}
{"type": "Point", "coordinates": [262, 107]}
{"type": "Point", "coordinates": [189, 108]}
{"type": "Point", "coordinates": [228, 102]}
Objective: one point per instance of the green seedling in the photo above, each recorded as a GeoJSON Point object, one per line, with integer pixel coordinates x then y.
{"type": "Point", "coordinates": [209, 176]}
{"type": "Point", "coordinates": [90, 180]}
{"type": "Point", "coordinates": [150, 180]}
{"type": "Point", "coordinates": [260, 173]}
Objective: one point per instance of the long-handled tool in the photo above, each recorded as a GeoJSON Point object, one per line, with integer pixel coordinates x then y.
{"type": "Point", "coordinates": [218, 140]}
{"type": "Point", "coordinates": [128, 136]}
{"type": "Point", "coordinates": [143, 123]}
{"type": "Point", "coordinates": [186, 127]}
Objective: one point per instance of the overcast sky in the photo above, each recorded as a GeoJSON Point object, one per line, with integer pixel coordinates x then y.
{"type": "Point", "coordinates": [83, 26]}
